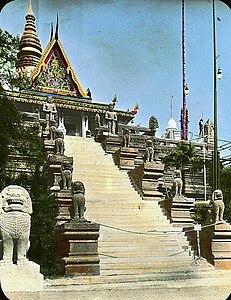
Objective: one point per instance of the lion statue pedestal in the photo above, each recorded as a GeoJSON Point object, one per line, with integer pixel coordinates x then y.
{"type": "Point", "coordinates": [17, 273]}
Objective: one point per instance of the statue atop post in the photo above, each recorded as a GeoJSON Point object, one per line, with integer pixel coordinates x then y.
{"type": "Point", "coordinates": [66, 174]}
{"type": "Point", "coordinates": [49, 107]}
{"type": "Point", "coordinates": [126, 138]}
{"type": "Point", "coordinates": [97, 120]}
{"type": "Point", "coordinates": [15, 220]}
{"type": "Point", "coordinates": [219, 206]}
{"type": "Point", "coordinates": [201, 127]}
{"type": "Point", "coordinates": [149, 155]}
{"type": "Point", "coordinates": [153, 124]}
{"type": "Point", "coordinates": [78, 200]}
{"type": "Point", "coordinates": [178, 183]}
{"type": "Point", "coordinates": [52, 129]}
{"type": "Point", "coordinates": [59, 142]}
{"type": "Point", "coordinates": [111, 119]}
{"type": "Point", "coordinates": [208, 131]}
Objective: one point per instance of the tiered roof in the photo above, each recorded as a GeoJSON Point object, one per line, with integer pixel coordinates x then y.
{"type": "Point", "coordinates": [30, 49]}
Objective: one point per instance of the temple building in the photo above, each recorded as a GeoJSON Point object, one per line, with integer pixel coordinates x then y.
{"type": "Point", "coordinates": [53, 77]}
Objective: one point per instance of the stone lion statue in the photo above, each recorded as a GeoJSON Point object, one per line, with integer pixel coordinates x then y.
{"type": "Point", "coordinates": [178, 183]}
{"type": "Point", "coordinates": [78, 200]}
{"type": "Point", "coordinates": [59, 142]}
{"type": "Point", "coordinates": [149, 152]}
{"type": "Point", "coordinates": [66, 174]}
{"type": "Point", "coordinates": [15, 211]}
{"type": "Point", "coordinates": [219, 206]}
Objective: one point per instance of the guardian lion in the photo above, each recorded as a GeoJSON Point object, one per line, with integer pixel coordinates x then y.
{"type": "Point", "coordinates": [15, 211]}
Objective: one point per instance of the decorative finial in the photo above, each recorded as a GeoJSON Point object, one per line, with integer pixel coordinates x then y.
{"type": "Point", "coordinates": [57, 28]}
{"type": "Point", "coordinates": [52, 31]}
{"type": "Point", "coordinates": [171, 106]}
{"type": "Point", "coordinates": [30, 10]}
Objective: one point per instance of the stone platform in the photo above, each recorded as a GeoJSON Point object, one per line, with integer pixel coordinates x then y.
{"type": "Point", "coordinates": [25, 278]}
{"type": "Point", "coordinates": [221, 245]}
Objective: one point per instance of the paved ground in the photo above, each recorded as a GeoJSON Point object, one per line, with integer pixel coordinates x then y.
{"type": "Point", "coordinates": [133, 291]}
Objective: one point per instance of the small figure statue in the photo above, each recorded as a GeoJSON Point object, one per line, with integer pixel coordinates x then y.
{"type": "Point", "coordinates": [178, 183]}
{"type": "Point", "coordinates": [126, 138]}
{"type": "Point", "coordinates": [153, 124]}
{"type": "Point", "coordinates": [208, 131]}
{"type": "Point", "coordinates": [219, 206]}
{"type": "Point", "coordinates": [149, 152]}
{"type": "Point", "coordinates": [114, 100]}
{"type": "Point", "coordinates": [59, 142]}
{"type": "Point", "coordinates": [52, 129]}
{"type": "Point", "coordinates": [78, 200]}
{"type": "Point", "coordinates": [66, 175]}
{"type": "Point", "coordinates": [111, 118]}
{"type": "Point", "coordinates": [50, 108]}
{"type": "Point", "coordinates": [88, 92]}
{"type": "Point", "coordinates": [201, 127]}
{"type": "Point", "coordinates": [97, 121]}
{"type": "Point", "coordinates": [15, 211]}
{"type": "Point", "coordinates": [61, 125]}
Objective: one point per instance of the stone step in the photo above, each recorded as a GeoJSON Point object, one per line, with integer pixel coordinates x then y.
{"type": "Point", "coordinates": [135, 238]}
{"type": "Point", "coordinates": [151, 243]}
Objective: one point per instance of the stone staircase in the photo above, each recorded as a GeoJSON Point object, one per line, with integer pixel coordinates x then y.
{"type": "Point", "coordinates": [135, 237]}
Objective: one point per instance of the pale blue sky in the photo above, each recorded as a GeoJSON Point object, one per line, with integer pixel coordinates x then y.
{"type": "Point", "coordinates": [132, 48]}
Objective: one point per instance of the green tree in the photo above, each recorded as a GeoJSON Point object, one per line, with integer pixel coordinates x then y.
{"type": "Point", "coordinates": [184, 157]}
{"type": "Point", "coordinates": [225, 180]}
{"type": "Point", "coordinates": [9, 78]}
{"type": "Point", "coordinates": [16, 138]}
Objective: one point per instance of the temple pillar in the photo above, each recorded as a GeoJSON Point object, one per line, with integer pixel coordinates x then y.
{"type": "Point", "coordinates": [84, 124]}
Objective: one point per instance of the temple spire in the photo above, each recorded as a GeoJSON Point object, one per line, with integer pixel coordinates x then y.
{"type": "Point", "coordinates": [30, 49]}
{"type": "Point", "coordinates": [57, 28]}
{"type": "Point", "coordinates": [52, 32]}
{"type": "Point", "coordinates": [30, 10]}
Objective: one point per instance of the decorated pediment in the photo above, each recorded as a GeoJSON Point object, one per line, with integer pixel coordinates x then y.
{"type": "Point", "coordinates": [55, 74]}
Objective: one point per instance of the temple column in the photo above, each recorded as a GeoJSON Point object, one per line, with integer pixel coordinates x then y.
{"type": "Point", "coordinates": [84, 124]}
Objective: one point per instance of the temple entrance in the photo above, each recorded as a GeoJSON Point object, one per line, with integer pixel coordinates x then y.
{"type": "Point", "coordinates": [73, 126]}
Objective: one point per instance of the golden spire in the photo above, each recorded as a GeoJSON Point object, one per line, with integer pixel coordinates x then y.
{"type": "Point", "coordinates": [30, 49]}
{"type": "Point", "coordinates": [30, 10]}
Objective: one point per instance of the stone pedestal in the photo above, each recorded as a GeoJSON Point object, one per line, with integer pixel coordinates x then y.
{"type": "Point", "coordinates": [125, 157]}
{"type": "Point", "coordinates": [25, 278]}
{"type": "Point", "coordinates": [152, 173]}
{"type": "Point", "coordinates": [180, 211]}
{"type": "Point", "coordinates": [221, 246]}
{"type": "Point", "coordinates": [77, 248]}
{"type": "Point", "coordinates": [111, 144]}
{"type": "Point", "coordinates": [49, 146]}
{"type": "Point", "coordinates": [55, 167]}
{"type": "Point", "coordinates": [64, 199]}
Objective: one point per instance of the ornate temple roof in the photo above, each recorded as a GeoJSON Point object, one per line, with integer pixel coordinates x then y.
{"type": "Point", "coordinates": [54, 73]}
{"type": "Point", "coordinates": [30, 49]}
{"type": "Point", "coordinates": [65, 102]}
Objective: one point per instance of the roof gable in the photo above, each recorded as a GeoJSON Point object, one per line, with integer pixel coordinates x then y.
{"type": "Point", "coordinates": [55, 74]}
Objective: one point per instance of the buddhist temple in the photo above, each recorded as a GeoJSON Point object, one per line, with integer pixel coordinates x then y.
{"type": "Point", "coordinates": [52, 75]}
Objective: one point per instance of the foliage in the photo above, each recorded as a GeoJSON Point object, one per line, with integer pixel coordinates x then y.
{"type": "Point", "coordinates": [19, 139]}
{"type": "Point", "coordinates": [202, 213]}
{"type": "Point", "coordinates": [225, 185]}
{"type": "Point", "coordinates": [184, 157]}
{"type": "Point", "coordinates": [9, 47]}
{"type": "Point", "coordinates": [43, 227]}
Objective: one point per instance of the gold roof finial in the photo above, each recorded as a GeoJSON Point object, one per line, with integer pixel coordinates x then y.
{"type": "Point", "coordinates": [30, 10]}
